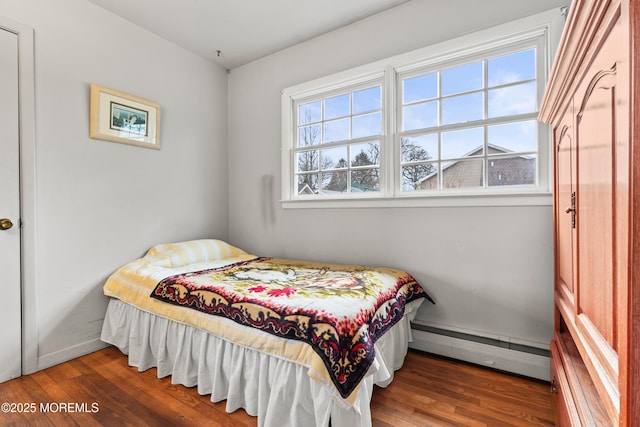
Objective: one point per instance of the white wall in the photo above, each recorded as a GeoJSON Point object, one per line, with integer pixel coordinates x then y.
{"type": "Point", "coordinates": [490, 269]}
{"type": "Point", "coordinates": [101, 204]}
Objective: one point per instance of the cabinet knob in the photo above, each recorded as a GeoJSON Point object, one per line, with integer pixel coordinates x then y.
{"type": "Point", "coordinates": [570, 209]}
{"type": "Point", "coordinates": [5, 224]}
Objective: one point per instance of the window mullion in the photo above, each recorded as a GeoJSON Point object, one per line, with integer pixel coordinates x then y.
{"type": "Point", "coordinates": [349, 169]}
{"type": "Point", "coordinates": [485, 130]}
{"type": "Point", "coordinates": [388, 157]}
{"type": "Point", "coordinates": [440, 172]}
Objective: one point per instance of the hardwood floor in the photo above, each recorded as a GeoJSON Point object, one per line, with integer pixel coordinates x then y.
{"type": "Point", "coordinates": [432, 391]}
{"type": "Point", "coordinates": [428, 391]}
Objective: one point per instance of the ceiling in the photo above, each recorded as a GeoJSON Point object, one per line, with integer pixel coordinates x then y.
{"type": "Point", "coordinates": [232, 33]}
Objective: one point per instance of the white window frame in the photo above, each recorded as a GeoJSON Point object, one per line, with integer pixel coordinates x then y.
{"type": "Point", "coordinates": [542, 30]}
{"type": "Point", "coordinates": [537, 42]}
{"type": "Point", "coordinates": [347, 87]}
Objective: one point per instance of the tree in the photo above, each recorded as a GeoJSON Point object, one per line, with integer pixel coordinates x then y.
{"type": "Point", "coordinates": [338, 181]}
{"type": "Point", "coordinates": [365, 179]}
{"type": "Point", "coordinates": [416, 170]}
{"type": "Point", "coordinates": [308, 160]}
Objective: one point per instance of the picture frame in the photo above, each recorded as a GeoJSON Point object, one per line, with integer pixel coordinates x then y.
{"type": "Point", "coordinates": [120, 117]}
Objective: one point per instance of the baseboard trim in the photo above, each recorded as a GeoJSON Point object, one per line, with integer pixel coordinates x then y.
{"type": "Point", "coordinates": [482, 339]}
{"type": "Point", "coordinates": [66, 354]}
{"type": "Point", "coordinates": [534, 364]}
{"type": "Point", "coordinates": [490, 355]}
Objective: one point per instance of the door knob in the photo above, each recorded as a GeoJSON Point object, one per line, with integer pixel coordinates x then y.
{"type": "Point", "coordinates": [5, 224]}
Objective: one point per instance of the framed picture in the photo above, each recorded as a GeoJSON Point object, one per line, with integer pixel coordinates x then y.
{"type": "Point", "coordinates": [119, 117]}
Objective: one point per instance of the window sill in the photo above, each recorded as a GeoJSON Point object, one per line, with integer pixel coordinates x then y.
{"type": "Point", "coordinates": [431, 201]}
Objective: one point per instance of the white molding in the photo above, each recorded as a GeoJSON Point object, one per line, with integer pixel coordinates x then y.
{"type": "Point", "coordinates": [73, 352]}
{"type": "Point", "coordinates": [440, 201]}
{"type": "Point", "coordinates": [286, 151]}
{"type": "Point", "coordinates": [26, 105]}
{"type": "Point", "coordinates": [482, 334]}
{"type": "Point", "coordinates": [329, 84]}
{"type": "Point", "coordinates": [504, 359]}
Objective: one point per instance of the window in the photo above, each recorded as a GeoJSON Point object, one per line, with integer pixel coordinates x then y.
{"type": "Point", "coordinates": [448, 122]}
{"type": "Point", "coordinates": [337, 146]}
{"type": "Point", "coordinates": [470, 126]}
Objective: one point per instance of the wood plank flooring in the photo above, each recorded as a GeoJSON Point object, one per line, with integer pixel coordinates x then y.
{"type": "Point", "coordinates": [428, 391]}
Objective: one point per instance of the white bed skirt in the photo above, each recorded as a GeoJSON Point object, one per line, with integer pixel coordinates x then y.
{"type": "Point", "coordinates": [277, 391]}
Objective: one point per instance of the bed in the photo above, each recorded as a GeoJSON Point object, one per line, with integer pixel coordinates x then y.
{"type": "Point", "coordinates": [292, 342]}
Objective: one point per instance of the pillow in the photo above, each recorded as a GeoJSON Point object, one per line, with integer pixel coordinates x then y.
{"type": "Point", "coordinates": [173, 255]}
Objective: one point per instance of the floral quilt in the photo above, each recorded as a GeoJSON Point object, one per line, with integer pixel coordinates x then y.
{"type": "Point", "coordinates": [339, 310]}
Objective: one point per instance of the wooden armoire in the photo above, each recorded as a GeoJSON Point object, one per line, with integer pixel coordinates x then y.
{"type": "Point", "coordinates": [592, 103]}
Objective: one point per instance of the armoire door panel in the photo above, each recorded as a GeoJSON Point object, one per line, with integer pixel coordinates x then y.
{"type": "Point", "coordinates": [595, 125]}
{"type": "Point", "coordinates": [565, 204]}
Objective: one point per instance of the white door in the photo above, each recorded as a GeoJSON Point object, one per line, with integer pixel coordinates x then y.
{"type": "Point", "coordinates": [10, 304]}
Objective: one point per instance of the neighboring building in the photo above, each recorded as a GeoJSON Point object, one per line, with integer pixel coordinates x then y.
{"type": "Point", "coordinates": [304, 188]}
{"type": "Point", "coordinates": [516, 170]}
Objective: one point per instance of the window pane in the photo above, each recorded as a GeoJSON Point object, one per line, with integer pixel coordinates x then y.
{"type": "Point", "coordinates": [334, 182]}
{"type": "Point", "coordinates": [461, 109]}
{"type": "Point", "coordinates": [308, 113]}
{"type": "Point", "coordinates": [365, 154]}
{"type": "Point", "coordinates": [420, 116]}
{"type": "Point", "coordinates": [308, 161]}
{"type": "Point", "coordinates": [516, 170]}
{"type": "Point", "coordinates": [518, 136]}
{"type": "Point", "coordinates": [423, 176]}
{"type": "Point", "coordinates": [309, 135]}
{"type": "Point", "coordinates": [308, 184]}
{"type": "Point", "coordinates": [367, 125]}
{"type": "Point", "coordinates": [363, 180]}
{"type": "Point", "coordinates": [338, 106]}
{"type": "Point", "coordinates": [462, 143]}
{"type": "Point", "coordinates": [367, 100]}
{"type": "Point", "coordinates": [420, 88]}
{"type": "Point", "coordinates": [462, 79]}
{"type": "Point", "coordinates": [512, 68]}
{"type": "Point", "coordinates": [462, 174]}
{"type": "Point", "coordinates": [517, 99]}
{"type": "Point", "coordinates": [418, 148]}
{"type": "Point", "coordinates": [336, 130]}
{"type": "Point", "coordinates": [334, 158]}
